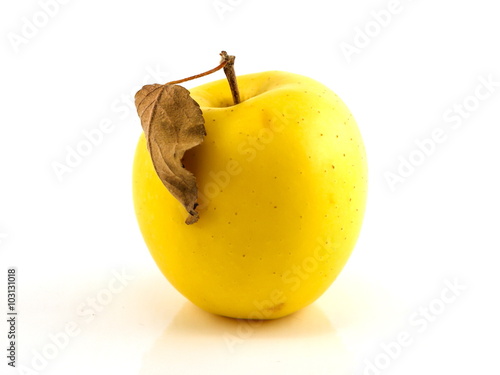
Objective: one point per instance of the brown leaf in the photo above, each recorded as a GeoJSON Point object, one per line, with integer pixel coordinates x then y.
{"type": "Point", "coordinates": [173, 123]}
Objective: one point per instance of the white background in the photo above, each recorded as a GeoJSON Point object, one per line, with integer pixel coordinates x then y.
{"type": "Point", "coordinates": [69, 239]}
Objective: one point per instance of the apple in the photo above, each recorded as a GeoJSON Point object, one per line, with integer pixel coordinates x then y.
{"type": "Point", "coordinates": [282, 184]}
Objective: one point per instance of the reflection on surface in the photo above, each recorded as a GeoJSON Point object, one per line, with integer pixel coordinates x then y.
{"type": "Point", "coordinates": [199, 342]}
{"type": "Point", "coordinates": [308, 322]}
{"type": "Point", "coordinates": [332, 336]}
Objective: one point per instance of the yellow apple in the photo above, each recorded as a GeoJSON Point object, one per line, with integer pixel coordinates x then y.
{"type": "Point", "coordinates": [282, 181]}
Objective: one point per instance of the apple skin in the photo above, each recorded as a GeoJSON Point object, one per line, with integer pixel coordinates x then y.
{"type": "Point", "coordinates": [282, 180]}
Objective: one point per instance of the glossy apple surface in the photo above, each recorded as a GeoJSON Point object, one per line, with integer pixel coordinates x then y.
{"type": "Point", "coordinates": [282, 179]}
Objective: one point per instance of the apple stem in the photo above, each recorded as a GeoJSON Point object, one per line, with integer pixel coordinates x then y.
{"type": "Point", "coordinates": [227, 62]}
{"type": "Point", "coordinates": [231, 75]}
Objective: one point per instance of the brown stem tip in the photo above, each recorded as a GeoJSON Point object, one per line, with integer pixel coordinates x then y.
{"type": "Point", "coordinates": [231, 75]}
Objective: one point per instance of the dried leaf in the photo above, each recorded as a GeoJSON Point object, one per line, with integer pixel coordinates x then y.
{"type": "Point", "coordinates": [173, 123]}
